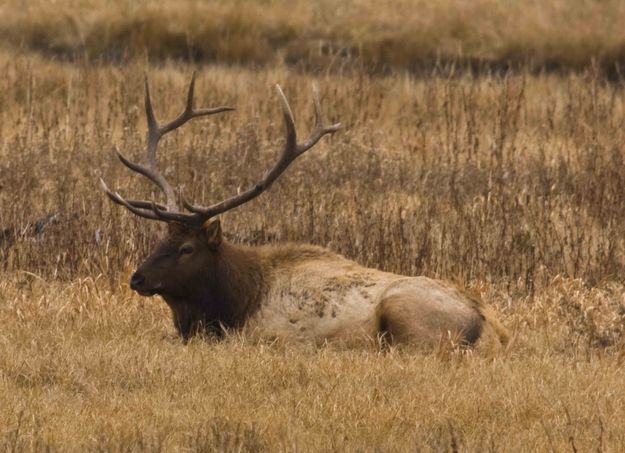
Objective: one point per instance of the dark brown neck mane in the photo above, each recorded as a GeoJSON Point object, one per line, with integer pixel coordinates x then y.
{"type": "Point", "coordinates": [228, 293]}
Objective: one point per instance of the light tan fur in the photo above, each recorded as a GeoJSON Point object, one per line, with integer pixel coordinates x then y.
{"type": "Point", "coordinates": [315, 295]}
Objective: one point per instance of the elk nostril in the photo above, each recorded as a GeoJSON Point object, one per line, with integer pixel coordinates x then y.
{"type": "Point", "coordinates": [136, 280]}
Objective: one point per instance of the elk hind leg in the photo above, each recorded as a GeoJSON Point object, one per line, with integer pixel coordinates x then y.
{"type": "Point", "coordinates": [404, 319]}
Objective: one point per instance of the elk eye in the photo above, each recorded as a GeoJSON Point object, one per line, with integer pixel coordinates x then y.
{"type": "Point", "coordinates": [186, 249]}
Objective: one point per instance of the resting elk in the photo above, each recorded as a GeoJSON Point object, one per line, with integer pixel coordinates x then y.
{"type": "Point", "coordinates": [289, 291]}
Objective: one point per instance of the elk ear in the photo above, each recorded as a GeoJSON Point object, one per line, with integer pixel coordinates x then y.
{"type": "Point", "coordinates": [212, 229]}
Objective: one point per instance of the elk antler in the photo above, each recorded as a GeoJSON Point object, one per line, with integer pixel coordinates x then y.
{"type": "Point", "coordinates": [199, 214]}
{"type": "Point", "coordinates": [149, 209]}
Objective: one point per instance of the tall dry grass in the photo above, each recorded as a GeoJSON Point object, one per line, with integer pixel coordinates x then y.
{"type": "Point", "coordinates": [497, 178]}
{"type": "Point", "coordinates": [510, 184]}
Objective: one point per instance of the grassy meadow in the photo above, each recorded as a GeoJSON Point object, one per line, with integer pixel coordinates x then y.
{"type": "Point", "coordinates": [509, 182]}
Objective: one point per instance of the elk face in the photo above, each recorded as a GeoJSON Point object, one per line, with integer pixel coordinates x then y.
{"type": "Point", "coordinates": [180, 262]}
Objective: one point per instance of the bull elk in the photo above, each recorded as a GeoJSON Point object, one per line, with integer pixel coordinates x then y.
{"type": "Point", "coordinates": [290, 291]}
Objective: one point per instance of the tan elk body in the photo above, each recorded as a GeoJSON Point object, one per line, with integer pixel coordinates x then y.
{"type": "Point", "coordinates": [289, 291]}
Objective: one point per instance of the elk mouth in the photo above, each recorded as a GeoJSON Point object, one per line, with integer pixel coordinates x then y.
{"type": "Point", "coordinates": [137, 283]}
{"type": "Point", "coordinates": [147, 293]}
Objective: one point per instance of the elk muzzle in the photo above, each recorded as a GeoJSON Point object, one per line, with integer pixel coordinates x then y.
{"type": "Point", "coordinates": [136, 280]}
{"type": "Point", "coordinates": [142, 285]}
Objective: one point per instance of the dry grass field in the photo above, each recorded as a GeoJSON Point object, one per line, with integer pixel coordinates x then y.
{"type": "Point", "coordinates": [508, 183]}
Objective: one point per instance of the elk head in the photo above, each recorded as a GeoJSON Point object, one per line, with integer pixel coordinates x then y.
{"type": "Point", "coordinates": [190, 250]}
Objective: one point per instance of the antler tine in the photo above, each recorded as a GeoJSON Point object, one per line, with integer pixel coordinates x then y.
{"type": "Point", "coordinates": [317, 104]}
{"type": "Point", "coordinates": [320, 130]}
{"type": "Point", "coordinates": [189, 112]}
{"type": "Point", "coordinates": [136, 207]}
{"type": "Point", "coordinates": [141, 204]}
{"type": "Point", "coordinates": [147, 209]}
{"type": "Point", "coordinates": [291, 151]}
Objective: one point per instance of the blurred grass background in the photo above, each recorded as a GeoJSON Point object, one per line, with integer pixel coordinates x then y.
{"type": "Point", "coordinates": [362, 35]}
